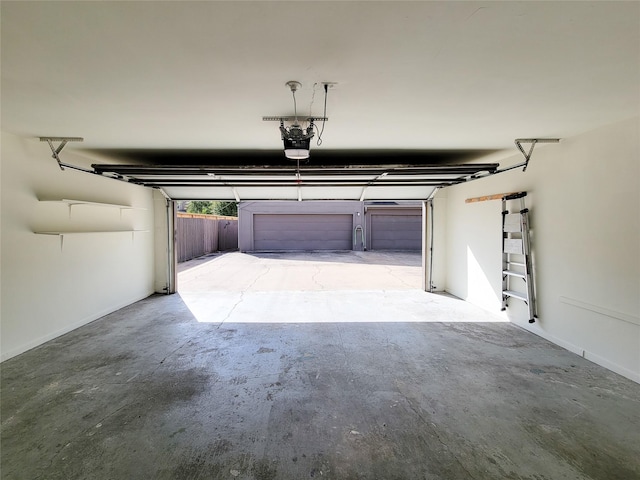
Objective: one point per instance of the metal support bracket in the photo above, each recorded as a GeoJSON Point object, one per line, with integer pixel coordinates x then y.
{"type": "Point", "coordinates": [533, 142]}
{"type": "Point", "coordinates": [56, 150]}
{"type": "Point", "coordinates": [372, 182]}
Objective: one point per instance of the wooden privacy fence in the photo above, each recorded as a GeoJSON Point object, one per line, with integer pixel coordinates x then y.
{"type": "Point", "coordinates": [199, 234]}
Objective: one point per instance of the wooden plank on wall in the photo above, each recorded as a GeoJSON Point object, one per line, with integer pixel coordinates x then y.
{"type": "Point", "coordinates": [495, 196]}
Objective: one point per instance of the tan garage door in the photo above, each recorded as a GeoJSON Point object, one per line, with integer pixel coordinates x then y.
{"type": "Point", "coordinates": [396, 232]}
{"type": "Point", "coordinates": [284, 232]}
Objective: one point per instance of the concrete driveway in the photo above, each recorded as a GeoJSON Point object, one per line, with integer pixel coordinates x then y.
{"type": "Point", "coordinates": [304, 271]}
{"type": "Point", "coordinates": [316, 287]}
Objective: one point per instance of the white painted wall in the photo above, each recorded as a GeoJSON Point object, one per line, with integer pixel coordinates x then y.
{"type": "Point", "coordinates": [49, 286]}
{"type": "Point", "coordinates": [584, 197]}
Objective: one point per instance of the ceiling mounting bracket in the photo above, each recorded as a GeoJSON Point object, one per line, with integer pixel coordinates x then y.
{"type": "Point", "coordinates": [532, 141]}
{"type": "Point", "coordinates": [294, 85]}
{"type": "Point", "coordinates": [56, 150]}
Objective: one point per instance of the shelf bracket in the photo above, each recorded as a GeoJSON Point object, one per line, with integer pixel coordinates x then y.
{"type": "Point", "coordinates": [533, 142]}
{"type": "Point", "coordinates": [56, 150]}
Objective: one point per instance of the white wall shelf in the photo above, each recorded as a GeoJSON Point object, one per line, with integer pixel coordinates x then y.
{"type": "Point", "coordinates": [90, 233]}
{"type": "Point", "coordinates": [72, 202]}
{"type": "Point", "coordinates": [61, 235]}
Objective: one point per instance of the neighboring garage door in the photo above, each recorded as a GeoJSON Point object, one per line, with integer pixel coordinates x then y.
{"type": "Point", "coordinates": [396, 232]}
{"type": "Point", "coordinates": [302, 232]}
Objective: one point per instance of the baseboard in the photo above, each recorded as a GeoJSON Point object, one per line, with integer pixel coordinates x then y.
{"type": "Point", "coordinates": [587, 355]}
{"type": "Point", "coordinates": [50, 336]}
{"type": "Point", "coordinates": [592, 357]}
{"type": "Point", "coordinates": [625, 372]}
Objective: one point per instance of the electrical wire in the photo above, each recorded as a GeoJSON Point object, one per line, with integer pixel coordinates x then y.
{"type": "Point", "coordinates": [313, 98]}
{"type": "Point", "coordinates": [324, 115]}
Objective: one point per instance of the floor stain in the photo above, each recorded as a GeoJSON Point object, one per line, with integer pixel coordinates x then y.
{"type": "Point", "coordinates": [264, 470]}
{"type": "Point", "coordinates": [265, 350]}
{"type": "Point", "coordinates": [180, 430]}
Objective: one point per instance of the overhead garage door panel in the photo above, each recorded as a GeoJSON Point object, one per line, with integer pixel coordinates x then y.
{"type": "Point", "coordinates": [396, 232]}
{"type": "Point", "coordinates": [302, 232]}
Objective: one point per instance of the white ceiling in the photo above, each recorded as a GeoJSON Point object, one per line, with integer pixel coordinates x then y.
{"type": "Point", "coordinates": [414, 75]}
{"type": "Point", "coordinates": [463, 78]}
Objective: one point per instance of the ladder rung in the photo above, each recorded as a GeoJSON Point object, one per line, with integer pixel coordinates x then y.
{"type": "Point", "coordinates": [514, 273]}
{"type": "Point", "coordinates": [517, 264]}
{"type": "Point", "coordinates": [518, 295]}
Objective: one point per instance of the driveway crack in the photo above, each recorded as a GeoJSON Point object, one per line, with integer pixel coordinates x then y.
{"type": "Point", "coordinates": [235, 305]}
{"type": "Point", "coordinates": [170, 354]}
{"type": "Point", "coordinates": [390, 271]}
{"type": "Point", "coordinates": [255, 280]}
{"type": "Point", "coordinates": [314, 279]}
{"type": "Point", "coordinates": [240, 300]}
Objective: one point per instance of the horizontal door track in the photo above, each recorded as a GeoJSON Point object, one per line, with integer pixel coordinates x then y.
{"type": "Point", "coordinates": [375, 175]}
{"type": "Point", "coordinates": [173, 170]}
{"type": "Point", "coordinates": [330, 176]}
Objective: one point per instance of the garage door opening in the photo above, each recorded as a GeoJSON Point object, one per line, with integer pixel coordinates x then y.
{"type": "Point", "coordinates": [321, 262]}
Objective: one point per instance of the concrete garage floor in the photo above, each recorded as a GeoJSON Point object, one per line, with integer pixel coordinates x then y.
{"type": "Point", "coordinates": [411, 386]}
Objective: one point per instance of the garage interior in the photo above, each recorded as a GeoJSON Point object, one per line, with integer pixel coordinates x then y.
{"type": "Point", "coordinates": [106, 373]}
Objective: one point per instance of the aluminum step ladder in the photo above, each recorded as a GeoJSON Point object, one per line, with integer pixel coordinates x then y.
{"type": "Point", "coordinates": [517, 271]}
